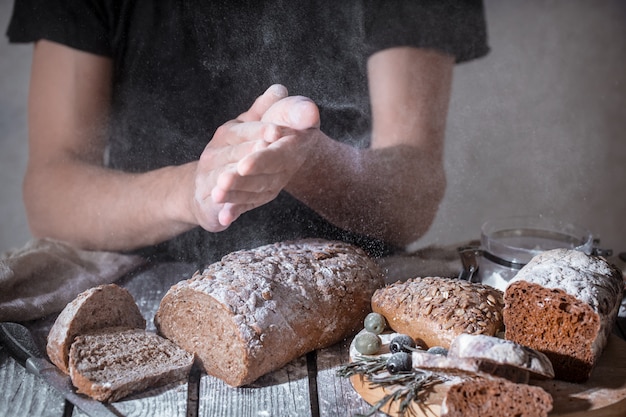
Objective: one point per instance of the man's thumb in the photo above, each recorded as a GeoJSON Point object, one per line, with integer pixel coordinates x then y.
{"type": "Point", "coordinates": [296, 112]}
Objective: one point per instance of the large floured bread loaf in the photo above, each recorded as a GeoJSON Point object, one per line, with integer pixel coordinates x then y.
{"type": "Point", "coordinates": [256, 310]}
{"type": "Point", "coordinates": [111, 363]}
{"type": "Point", "coordinates": [495, 397]}
{"type": "Point", "coordinates": [436, 310]}
{"type": "Point", "coordinates": [96, 308]}
{"type": "Point", "coordinates": [564, 303]}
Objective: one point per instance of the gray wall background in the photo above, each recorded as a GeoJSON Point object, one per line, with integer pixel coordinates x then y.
{"type": "Point", "coordinates": [538, 127]}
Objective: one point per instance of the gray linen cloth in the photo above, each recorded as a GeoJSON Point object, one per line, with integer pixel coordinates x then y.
{"type": "Point", "coordinates": [42, 277]}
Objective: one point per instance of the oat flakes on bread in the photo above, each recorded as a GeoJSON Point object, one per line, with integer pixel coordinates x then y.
{"type": "Point", "coordinates": [564, 303]}
{"type": "Point", "coordinates": [256, 310]}
{"type": "Point", "coordinates": [99, 307]}
{"type": "Point", "coordinates": [436, 309]}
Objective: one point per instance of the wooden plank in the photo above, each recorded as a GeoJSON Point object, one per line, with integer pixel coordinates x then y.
{"type": "Point", "coordinates": [170, 400]}
{"type": "Point", "coordinates": [24, 394]}
{"type": "Point", "coordinates": [336, 395]}
{"type": "Point", "coordinates": [284, 392]}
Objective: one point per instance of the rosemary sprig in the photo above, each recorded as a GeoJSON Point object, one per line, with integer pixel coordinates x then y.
{"type": "Point", "coordinates": [411, 386]}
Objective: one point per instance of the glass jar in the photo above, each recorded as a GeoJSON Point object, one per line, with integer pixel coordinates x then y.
{"type": "Point", "coordinates": [507, 244]}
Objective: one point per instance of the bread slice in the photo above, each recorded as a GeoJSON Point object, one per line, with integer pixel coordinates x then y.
{"type": "Point", "coordinates": [487, 355]}
{"type": "Point", "coordinates": [502, 352]}
{"type": "Point", "coordinates": [112, 363]}
{"type": "Point", "coordinates": [96, 308]}
{"type": "Point", "coordinates": [436, 310]}
{"type": "Point", "coordinates": [495, 397]}
{"type": "Point", "coordinates": [564, 303]}
{"type": "Point", "coordinates": [256, 310]}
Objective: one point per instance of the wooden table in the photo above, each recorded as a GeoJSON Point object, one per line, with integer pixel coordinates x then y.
{"type": "Point", "coordinates": [307, 386]}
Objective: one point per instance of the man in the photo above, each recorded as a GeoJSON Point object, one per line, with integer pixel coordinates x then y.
{"type": "Point", "coordinates": [130, 147]}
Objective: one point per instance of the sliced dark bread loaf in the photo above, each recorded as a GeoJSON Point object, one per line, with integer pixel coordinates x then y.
{"type": "Point", "coordinates": [112, 363]}
{"type": "Point", "coordinates": [96, 308]}
{"type": "Point", "coordinates": [564, 303]}
{"type": "Point", "coordinates": [99, 339]}
{"type": "Point", "coordinates": [495, 397]}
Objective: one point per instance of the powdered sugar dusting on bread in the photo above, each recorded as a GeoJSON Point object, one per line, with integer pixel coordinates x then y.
{"type": "Point", "coordinates": [246, 281]}
{"type": "Point", "coordinates": [562, 269]}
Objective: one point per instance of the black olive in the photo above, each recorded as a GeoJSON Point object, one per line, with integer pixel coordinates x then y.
{"type": "Point", "coordinates": [402, 343]}
{"type": "Point", "coordinates": [399, 362]}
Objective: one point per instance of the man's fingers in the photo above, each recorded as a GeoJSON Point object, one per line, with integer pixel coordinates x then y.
{"type": "Point", "coordinates": [273, 94]}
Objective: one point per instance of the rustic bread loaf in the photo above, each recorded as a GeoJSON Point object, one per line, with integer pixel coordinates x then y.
{"type": "Point", "coordinates": [564, 303]}
{"type": "Point", "coordinates": [111, 363]}
{"type": "Point", "coordinates": [495, 397]}
{"type": "Point", "coordinates": [96, 308]}
{"type": "Point", "coordinates": [256, 310]}
{"type": "Point", "coordinates": [436, 310]}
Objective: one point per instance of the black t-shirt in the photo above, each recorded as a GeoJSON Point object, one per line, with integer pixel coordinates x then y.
{"type": "Point", "coordinates": [183, 68]}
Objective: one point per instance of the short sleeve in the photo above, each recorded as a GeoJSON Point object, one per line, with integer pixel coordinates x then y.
{"type": "Point", "coordinates": [83, 25]}
{"type": "Point", "coordinates": [455, 27]}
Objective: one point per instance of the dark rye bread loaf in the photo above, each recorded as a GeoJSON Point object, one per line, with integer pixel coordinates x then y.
{"type": "Point", "coordinates": [436, 310]}
{"type": "Point", "coordinates": [96, 308]}
{"type": "Point", "coordinates": [495, 397]}
{"type": "Point", "coordinates": [564, 303]}
{"type": "Point", "coordinates": [256, 310]}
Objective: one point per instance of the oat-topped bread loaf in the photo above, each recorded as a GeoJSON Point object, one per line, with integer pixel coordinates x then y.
{"type": "Point", "coordinates": [100, 340]}
{"type": "Point", "coordinates": [436, 310]}
{"type": "Point", "coordinates": [564, 303]}
{"type": "Point", "coordinates": [495, 397]}
{"type": "Point", "coordinates": [96, 308]}
{"type": "Point", "coordinates": [112, 363]}
{"type": "Point", "coordinates": [256, 310]}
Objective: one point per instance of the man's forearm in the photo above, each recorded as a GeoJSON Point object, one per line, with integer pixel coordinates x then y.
{"type": "Point", "coordinates": [392, 193]}
{"type": "Point", "coordinates": [97, 208]}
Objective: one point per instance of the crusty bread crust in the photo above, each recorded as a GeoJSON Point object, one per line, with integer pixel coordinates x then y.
{"type": "Point", "coordinates": [96, 308]}
{"type": "Point", "coordinates": [564, 303]}
{"type": "Point", "coordinates": [256, 310]}
{"type": "Point", "coordinates": [436, 310]}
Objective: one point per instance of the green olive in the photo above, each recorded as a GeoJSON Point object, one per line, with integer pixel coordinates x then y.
{"type": "Point", "coordinates": [367, 343]}
{"type": "Point", "coordinates": [375, 323]}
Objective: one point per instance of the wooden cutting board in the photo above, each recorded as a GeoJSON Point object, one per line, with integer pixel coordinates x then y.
{"type": "Point", "coordinates": [603, 395]}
